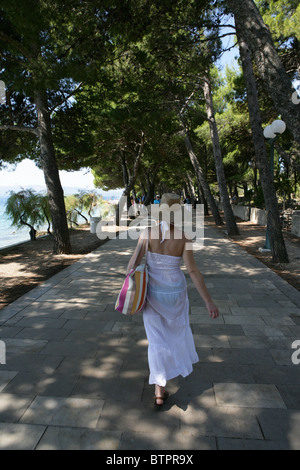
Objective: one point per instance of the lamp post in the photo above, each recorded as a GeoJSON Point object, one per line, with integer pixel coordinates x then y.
{"type": "Point", "coordinates": [272, 133]}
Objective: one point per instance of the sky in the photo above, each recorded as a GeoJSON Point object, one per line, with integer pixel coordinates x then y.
{"type": "Point", "coordinates": [27, 174]}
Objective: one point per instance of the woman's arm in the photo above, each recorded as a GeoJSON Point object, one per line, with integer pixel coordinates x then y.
{"type": "Point", "coordinates": [199, 283]}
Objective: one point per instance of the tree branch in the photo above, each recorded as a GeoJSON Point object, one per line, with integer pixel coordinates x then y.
{"type": "Point", "coordinates": [290, 159]}
{"type": "Point", "coordinates": [65, 98]}
{"type": "Point", "coordinates": [17, 44]}
{"type": "Point", "coordinates": [8, 127]}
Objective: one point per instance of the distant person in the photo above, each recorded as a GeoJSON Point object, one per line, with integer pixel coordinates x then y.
{"type": "Point", "coordinates": [171, 349]}
{"type": "Point", "coordinates": [157, 199]}
{"type": "Point", "coordinates": [188, 202]}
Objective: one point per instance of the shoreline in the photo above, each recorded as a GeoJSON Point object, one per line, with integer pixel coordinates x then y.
{"type": "Point", "coordinates": [8, 247]}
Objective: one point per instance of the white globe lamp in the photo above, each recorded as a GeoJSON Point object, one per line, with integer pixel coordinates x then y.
{"type": "Point", "coordinates": [269, 133]}
{"type": "Point", "coordinates": [278, 126]}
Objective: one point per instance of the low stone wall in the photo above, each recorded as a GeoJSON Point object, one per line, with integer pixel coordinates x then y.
{"type": "Point", "coordinates": [296, 224]}
{"type": "Point", "coordinates": [259, 216]}
{"type": "Point", "coordinates": [243, 212]}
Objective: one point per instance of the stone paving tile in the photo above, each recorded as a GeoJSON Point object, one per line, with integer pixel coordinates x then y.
{"type": "Point", "coordinates": [22, 346]}
{"type": "Point", "coordinates": [281, 425]}
{"type": "Point", "coordinates": [210, 330]}
{"type": "Point", "coordinates": [60, 411]}
{"type": "Point", "coordinates": [203, 319]}
{"type": "Point", "coordinates": [268, 331]}
{"type": "Point", "coordinates": [138, 417]}
{"type": "Point", "coordinates": [282, 357]}
{"type": "Point", "coordinates": [248, 395]}
{"type": "Point", "coordinates": [243, 356]}
{"type": "Point", "coordinates": [40, 322]}
{"type": "Point", "coordinates": [215, 341]}
{"type": "Point", "coordinates": [220, 372]}
{"type": "Point", "coordinates": [290, 395]}
{"type": "Point", "coordinates": [6, 377]}
{"type": "Point", "coordinates": [96, 367]}
{"type": "Point", "coordinates": [35, 383]}
{"type": "Point", "coordinates": [12, 407]}
{"type": "Point", "coordinates": [20, 436]}
{"type": "Point", "coordinates": [256, 342]}
{"type": "Point", "coordinates": [278, 375]}
{"type": "Point", "coordinates": [97, 326]}
{"type": "Point", "coordinates": [220, 422]}
{"type": "Point", "coordinates": [131, 388]}
{"type": "Point", "coordinates": [9, 331]}
{"type": "Point", "coordinates": [32, 362]}
{"type": "Point", "coordinates": [224, 443]}
{"type": "Point", "coordinates": [171, 441]}
{"type": "Point", "coordinates": [44, 333]}
{"type": "Point", "coordinates": [243, 319]}
{"type": "Point", "coordinates": [78, 348]}
{"type": "Point", "coordinates": [249, 311]}
{"type": "Point", "coordinates": [278, 319]}
{"type": "Point", "coordinates": [68, 438]}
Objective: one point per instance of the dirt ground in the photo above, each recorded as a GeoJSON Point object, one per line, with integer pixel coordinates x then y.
{"type": "Point", "coordinates": [24, 266]}
{"type": "Point", "coordinates": [252, 237]}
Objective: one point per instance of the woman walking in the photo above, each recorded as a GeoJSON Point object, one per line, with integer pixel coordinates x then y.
{"type": "Point", "coordinates": [171, 350]}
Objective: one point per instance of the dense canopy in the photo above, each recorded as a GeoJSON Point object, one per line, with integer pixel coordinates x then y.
{"type": "Point", "coordinates": [134, 91]}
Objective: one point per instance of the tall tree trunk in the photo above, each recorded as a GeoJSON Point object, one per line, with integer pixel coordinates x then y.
{"type": "Point", "coordinates": [276, 239]}
{"type": "Point", "coordinates": [191, 186]}
{"type": "Point", "coordinates": [232, 228]}
{"type": "Point", "coordinates": [32, 231]}
{"type": "Point", "coordinates": [150, 190]}
{"type": "Point", "coordinates": [202, 197]}
{"type": "Point", "coordinates": [55, 192]}
{"type": "Point", "coordinates": [202, 179]}
{"type": "Point", "coordinates": [259, 39]}
{"type": "Point", "coordinates": [129, 181]}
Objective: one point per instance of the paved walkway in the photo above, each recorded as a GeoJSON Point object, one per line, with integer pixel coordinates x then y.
{"type": "Point", "coordinates": [76, 373]}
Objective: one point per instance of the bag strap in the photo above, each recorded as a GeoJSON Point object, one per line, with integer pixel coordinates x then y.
{"type": "Point", "coordinates": [147, 245]}
{"type": "Point", "coordinates": [134, 264]}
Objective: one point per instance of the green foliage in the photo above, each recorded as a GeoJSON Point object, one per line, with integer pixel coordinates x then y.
{"type": "Point", "coordinates": [86, 202]}
{"type": "Point", "coordinates": [27, 207]}
{"type": "Point", "coordinates": [283, 17]}
{"type": "Point", "coordinates": [137, 63]}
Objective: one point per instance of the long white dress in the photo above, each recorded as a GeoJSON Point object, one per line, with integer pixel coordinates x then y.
{"type": "Point", "coordinates": [171, 350]}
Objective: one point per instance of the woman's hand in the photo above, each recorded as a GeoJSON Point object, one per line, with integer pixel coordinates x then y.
{"type": "Point", "coordinates": [212, 309]}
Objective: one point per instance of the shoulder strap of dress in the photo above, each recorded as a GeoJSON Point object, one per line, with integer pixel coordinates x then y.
{"type": "Point", "coordinates": [147, 243]}
{"type": "Point", "coordinates": [164, 227]}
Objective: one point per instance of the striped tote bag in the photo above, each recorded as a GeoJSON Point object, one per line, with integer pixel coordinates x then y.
{"type": "Point", "coordinates": [133, 294]}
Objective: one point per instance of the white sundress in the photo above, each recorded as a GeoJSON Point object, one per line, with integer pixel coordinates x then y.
{"type": "Point", "coordinates": [171, 350]}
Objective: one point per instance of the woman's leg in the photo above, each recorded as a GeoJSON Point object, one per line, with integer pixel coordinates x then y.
{"type": "Point", "coordinates": [161, 393]}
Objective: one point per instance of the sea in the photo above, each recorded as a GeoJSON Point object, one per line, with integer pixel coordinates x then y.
{"type": "Point", "coordinates": [10, 235]}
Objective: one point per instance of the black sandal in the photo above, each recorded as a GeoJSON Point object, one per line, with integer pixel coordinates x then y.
{"type": "Point", "coordinates": [163, 398]}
